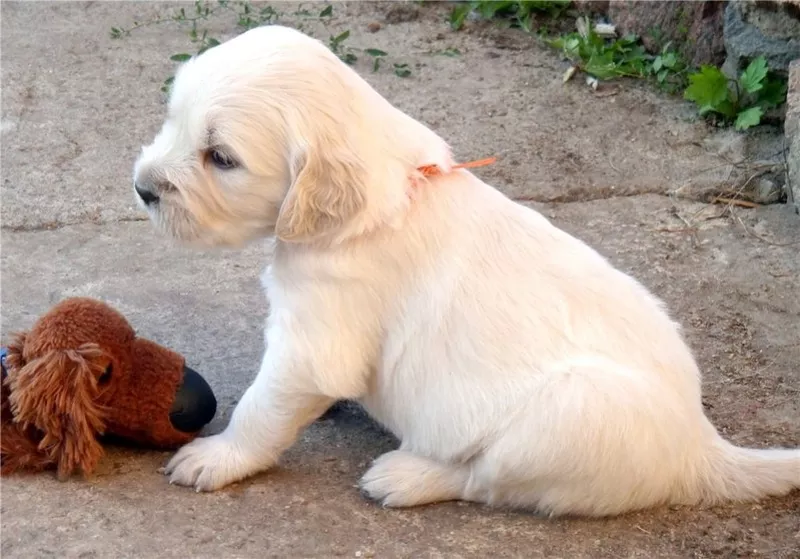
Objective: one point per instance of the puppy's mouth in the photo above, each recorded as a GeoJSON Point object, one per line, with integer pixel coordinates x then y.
{"type": "Point", "coordinates": [179, 225]}
{"type": "Point", "coordinates": [170, 221]}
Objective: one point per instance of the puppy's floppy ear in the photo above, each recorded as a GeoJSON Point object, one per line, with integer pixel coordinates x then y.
{"type": "Point", "coordinates": [58, 395]}
{"type": "Point", "coordinates": [327, 193]}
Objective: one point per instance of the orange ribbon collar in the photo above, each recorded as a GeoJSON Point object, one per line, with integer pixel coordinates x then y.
{"type": "Point", "coordinates": [435, 171]}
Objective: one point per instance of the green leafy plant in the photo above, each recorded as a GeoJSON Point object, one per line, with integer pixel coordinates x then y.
{"type": "Point", "coordinates": [348, 55]}
{"type": "Point", "coordinates": [604, 58]}
{"type": "Point", "coordinates": [402, 70]}
{"type": "Point", "coordinates": [336, 44]}
{"type": "Point", "coordinates": [449, 51]}
{"type": "Point", "coordinates": [377, 55]}
{"type": "Point", "coordinates": [669, 69]}
{"type": "Point", "coordinates": [517, 13]}
{"type": "Point", "coordinates": [742, 101]}
{"type": "Point", "coordinates": [247, 17]}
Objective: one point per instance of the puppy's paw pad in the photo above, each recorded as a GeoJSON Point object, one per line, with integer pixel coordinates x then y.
{"type": "Point", "coordinates": [207, 464]}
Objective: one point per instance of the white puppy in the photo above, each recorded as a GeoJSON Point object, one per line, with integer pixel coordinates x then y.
{"type": "Point", "coordinates": [515, 364]}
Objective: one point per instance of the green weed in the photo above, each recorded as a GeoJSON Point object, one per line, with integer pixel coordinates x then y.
{"type": "Point", "coordinates": [603, 58]}
{"type": "Point", "coordinates": [741, 101]}
{"type": "Point", "coordinates": [336, 44]}
{"type": "Point", "coordinates": [669, 70]}
{"type": "Point", "coordinates": [247, 17]}
{"type": "Point", "coordinates": [609, 57]}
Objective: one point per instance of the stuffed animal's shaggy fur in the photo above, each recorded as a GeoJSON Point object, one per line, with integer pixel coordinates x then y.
{"type": "Point", "coordinates": [81, 372]}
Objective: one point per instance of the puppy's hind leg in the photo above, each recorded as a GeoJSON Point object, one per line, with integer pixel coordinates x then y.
{"type": "Point", "coordinates": [403, 479]}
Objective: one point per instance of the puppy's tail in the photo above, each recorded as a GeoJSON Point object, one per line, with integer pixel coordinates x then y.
{"type": "Point", "coordinates": [731, 473]}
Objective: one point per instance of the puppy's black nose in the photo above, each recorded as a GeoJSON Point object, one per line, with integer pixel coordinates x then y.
{"type": "Point", "coordinates": [147, 196]}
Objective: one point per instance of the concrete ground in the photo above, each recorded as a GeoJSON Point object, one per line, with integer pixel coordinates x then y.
{"type": "Point", "coordinates": [76, 107]}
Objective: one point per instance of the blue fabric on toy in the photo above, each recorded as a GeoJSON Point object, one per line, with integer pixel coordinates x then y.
{"type": "Point", "coordinates": [3, 353]}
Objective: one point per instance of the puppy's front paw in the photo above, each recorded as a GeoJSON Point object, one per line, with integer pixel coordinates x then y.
{"type": "Point", "coordinates": [207, 464]}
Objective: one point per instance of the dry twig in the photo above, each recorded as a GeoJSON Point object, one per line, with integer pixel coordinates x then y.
{"type": "Point", "coordinates": [735, 202]}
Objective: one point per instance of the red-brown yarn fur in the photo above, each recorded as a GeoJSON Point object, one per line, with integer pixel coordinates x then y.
{"type": "Point", "coordinates": [60, 394]}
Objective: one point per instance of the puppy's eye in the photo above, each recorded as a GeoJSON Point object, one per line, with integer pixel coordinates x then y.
{"type": "Point", "coordinates": [222, 160]}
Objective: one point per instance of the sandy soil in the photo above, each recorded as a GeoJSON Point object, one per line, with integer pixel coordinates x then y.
{"type": "Point", "coordinates": [76, 107]}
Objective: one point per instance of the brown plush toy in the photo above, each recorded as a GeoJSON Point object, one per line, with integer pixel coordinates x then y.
{"type": "Point", "coordinates": [81, 372]}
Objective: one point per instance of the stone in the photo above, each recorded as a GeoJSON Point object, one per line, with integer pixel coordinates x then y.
{"type": "Point", "coordinates": [695, 28]}
{"type": "Point", "coordinates": [792, 132]}
{"type": "Point", "coordinates": [774, 19]}
{"type": "Point", "coordinates": [402, 12]}
{"type": "Point", "coordinates": [591, 6]}
{"type": "Point", "coordinates": [766, 191]}
{"type": "Point", "coordinates": [754, 28]}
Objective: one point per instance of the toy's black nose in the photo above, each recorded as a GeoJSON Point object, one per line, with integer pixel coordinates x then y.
{"type": "Point", "coordinates": [147, 195]}
{"type": "Point", "coordinates": [194, 405]}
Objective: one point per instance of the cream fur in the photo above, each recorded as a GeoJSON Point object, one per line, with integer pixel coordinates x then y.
{"type": "Point", "coordinates": [514, 363]}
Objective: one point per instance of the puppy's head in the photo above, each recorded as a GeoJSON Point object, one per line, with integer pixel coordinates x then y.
{"type": "Point", "coordinates": [270, 133]}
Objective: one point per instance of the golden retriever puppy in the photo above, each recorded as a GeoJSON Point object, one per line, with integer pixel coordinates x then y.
{"type": "Point", "coordinates": [515, 364]}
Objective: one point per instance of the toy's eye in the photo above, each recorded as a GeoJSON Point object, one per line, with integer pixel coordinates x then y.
{"type": "Point", "coordinates": [106, 376]}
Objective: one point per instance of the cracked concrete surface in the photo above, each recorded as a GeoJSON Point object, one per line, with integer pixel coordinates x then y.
{"type": "Point", "coordinates": [76, 107]}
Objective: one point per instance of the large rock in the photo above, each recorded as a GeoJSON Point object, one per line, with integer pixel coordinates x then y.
{"type": "Point", "coordinates": [695, 28]}
{"type": "Point", "coordinates": [592, 6]}
{"type": "Point", "coordinates": [753, 28]}
{"type": "Point", "coordinates": [792, 131]}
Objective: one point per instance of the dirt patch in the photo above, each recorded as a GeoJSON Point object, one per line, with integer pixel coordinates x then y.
{"type": "Point", "coordinates": [597, 166]}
